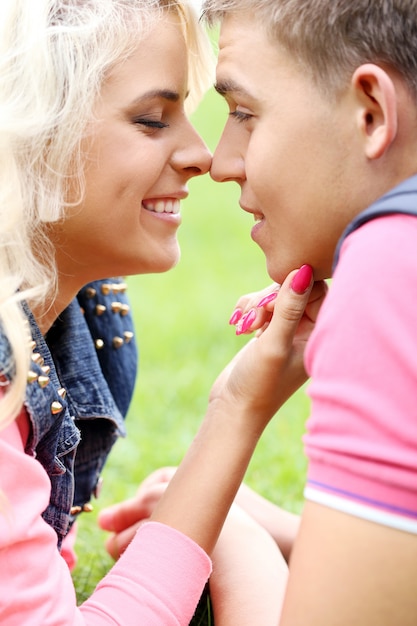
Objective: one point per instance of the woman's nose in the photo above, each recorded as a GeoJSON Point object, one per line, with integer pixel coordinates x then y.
{"type": "Point", "coordinates": [195, 157]}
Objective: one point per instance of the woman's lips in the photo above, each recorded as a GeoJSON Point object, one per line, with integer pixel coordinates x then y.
{"type": "Point", "coordinates": [168, 205]}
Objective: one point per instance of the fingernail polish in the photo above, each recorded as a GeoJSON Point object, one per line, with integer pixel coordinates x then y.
{"type": "Point", "coordinates": [301, 281]}
{"type": "Point", "coordinates": [237, 314]}
{"type": "Point", "coordinates": [246, 322]}
{"type": "Point", "coordinates": [267, 299]}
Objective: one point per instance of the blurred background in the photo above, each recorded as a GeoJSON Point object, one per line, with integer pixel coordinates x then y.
{"type": "Point", "coordinates": [184, 338]}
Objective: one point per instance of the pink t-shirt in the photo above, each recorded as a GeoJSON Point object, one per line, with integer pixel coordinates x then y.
{"type": "Point", "coordinates": [158, 581]}
{"type": "Point", "coordinates": [362, 357]}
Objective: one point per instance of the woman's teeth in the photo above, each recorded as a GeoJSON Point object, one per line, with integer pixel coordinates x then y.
{"type": "Point", "coordinates": [162, 206]}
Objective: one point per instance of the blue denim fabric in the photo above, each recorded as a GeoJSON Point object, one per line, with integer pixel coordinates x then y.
{"type": "Point", "coordinates": [107, 313]}
{"type": "Point", "coordinates": [400, 199]}
{"type": "Point", "coordinates": [74, 430]}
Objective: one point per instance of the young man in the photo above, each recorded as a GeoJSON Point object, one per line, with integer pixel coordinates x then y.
{"type": "Point", "coordinates": [322, 127]}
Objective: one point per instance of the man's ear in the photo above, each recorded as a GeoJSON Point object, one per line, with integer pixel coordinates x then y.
{"type": "Point", "coordinates": [377, 114]}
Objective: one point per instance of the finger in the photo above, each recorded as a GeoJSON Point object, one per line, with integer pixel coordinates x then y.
{"type": "Point", "coordinates": [250, 301]}
{"type": "Point", "coordinates": [249, 322]}
{"type": "Point", "coordinates": [161, 475]}
{"type": "Point", "coordinates": [117, 543]}
{"type": "Point", "coordinates": [267, 302]}
{"type": "Point", "coordinates": [290, 305]}
{"type": "Point", "coordinates": [262, 329]}
{"type": "Point", "coordinates": [120, 516]}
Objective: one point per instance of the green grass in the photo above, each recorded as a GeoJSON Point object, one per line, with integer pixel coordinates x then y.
{"type": "Point", "coordinates": [184, 338]}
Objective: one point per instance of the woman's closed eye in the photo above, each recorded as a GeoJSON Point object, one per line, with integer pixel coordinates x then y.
{"type": "Point", "coordinates": [149, 124]}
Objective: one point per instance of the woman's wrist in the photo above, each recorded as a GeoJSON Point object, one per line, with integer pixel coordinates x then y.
{"type": "Point", "coordinates": [200, 494]}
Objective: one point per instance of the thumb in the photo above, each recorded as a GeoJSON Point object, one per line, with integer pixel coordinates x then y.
{"type": "Point", "coordinates": [291, 302]}
{"type": "Point", "coordinates": [302, 280]}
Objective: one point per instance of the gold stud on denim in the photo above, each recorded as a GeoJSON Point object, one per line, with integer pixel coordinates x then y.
{"type": "Point", "coordinates": [128, 336]}
{"type": "Point", "coordinates": [117, 342]}
{"type": "Point", "coordinates": [105, 289]}
{"type": "Point", "coordinates": [74, 510]}
{"type": "Point", "coordinates": [90, 292]}
{"type": "Point", "coordinates": [37, 358]}
{"type": "Point", "coordinates": [100, 309]}
{"type": "Point", "coordinates": [32, 377]}
{"type": "Point", "coordinates": [62, 393]}
{"type": "Point", "coordinates": [56, 407]}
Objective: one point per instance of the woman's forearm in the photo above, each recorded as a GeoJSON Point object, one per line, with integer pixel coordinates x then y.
{"type": "Point", "coordinates": [243, 400]}
{"type": "Point", "coordinates": [200, 494]}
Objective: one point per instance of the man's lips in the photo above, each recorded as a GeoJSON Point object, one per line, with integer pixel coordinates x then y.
{"type": "Point", "coordinates": [257, 216]}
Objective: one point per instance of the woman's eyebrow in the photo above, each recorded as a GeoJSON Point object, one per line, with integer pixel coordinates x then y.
{"type": "Point", "coordinates": [164, 94]}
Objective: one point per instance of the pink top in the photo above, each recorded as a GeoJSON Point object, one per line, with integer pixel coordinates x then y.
{"type": "Point", "coordinates": [158, 581]}
{"type": "Point", "coordinates": [362, 434]}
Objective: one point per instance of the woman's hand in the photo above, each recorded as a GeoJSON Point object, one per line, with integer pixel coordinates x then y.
{"type": "Point", "coordinates": [254, 310]}
{"type": "Point", "coordinates": [268, 370]}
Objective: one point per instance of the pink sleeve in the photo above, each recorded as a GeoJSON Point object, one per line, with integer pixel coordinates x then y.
{"type": "Point", "coordinates": [68, 548]}
{"type": "Point", "coordinates": [362, 434]}
{"type": "Point", "coordinates": [158, 580]}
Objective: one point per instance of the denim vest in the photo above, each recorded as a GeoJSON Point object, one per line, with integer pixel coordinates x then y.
{"type": "Point", "coordinates": [80, 383]}
{"type": "Point", "coordinates": [401, 199]}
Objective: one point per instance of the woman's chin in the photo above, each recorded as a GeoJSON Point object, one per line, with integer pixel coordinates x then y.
{"type": "Point", "coordinates": [164, 264]}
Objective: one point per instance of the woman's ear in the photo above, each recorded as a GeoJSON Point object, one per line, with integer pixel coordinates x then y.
{"type": "Point", "coordinates": [377, 108]}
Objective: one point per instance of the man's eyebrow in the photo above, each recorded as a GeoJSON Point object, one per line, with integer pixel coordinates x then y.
{"type": "Point", "coordinates": [225, 87]}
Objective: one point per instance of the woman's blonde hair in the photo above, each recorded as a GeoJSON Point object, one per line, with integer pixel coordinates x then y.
{"type": "Point", "coordinates": [54, 56]}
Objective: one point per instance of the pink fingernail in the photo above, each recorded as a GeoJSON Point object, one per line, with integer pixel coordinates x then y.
{"type": "Point", "coordinates": [301, 281]}
{"type": "Point", "coordinates": [237, 314]}
{"type": "Point", "coordinates": [246, 322]}
{"type": "Point", "coordinates": [267, 299]}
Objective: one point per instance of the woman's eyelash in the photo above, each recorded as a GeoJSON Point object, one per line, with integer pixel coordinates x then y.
{"type": "Point", "coordinates": [240, 116]}
{"type": "Point", "coordinates": [141, 121]}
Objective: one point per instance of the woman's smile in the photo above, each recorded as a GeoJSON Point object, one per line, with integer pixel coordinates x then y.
{"type": "Point", "coordinates": [141, 150]}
